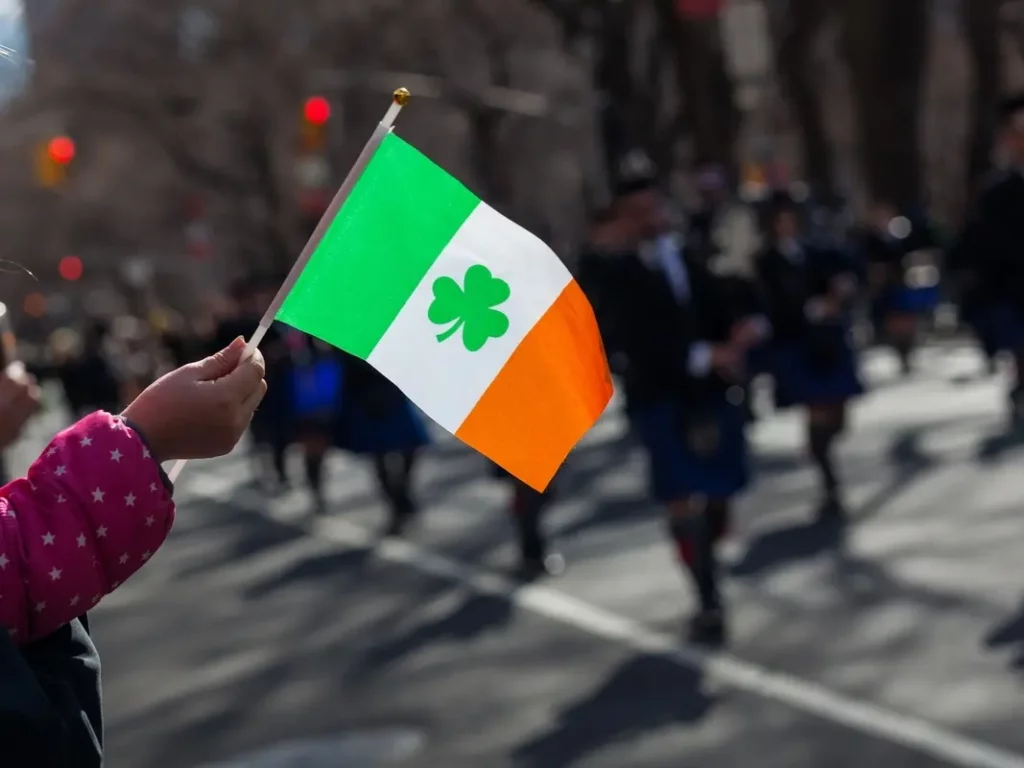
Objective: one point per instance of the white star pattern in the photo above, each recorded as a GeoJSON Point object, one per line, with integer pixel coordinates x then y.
{"type": "Point", "coordinates": [149, 521]}
{"type": "Point", "coordinates": [86, 442]}
{"type": "Point", "coordinates": [81, 540]}
{"type": "Point", "coordinates": [101, 532]}
{"type": "Point", "coordinates": [48, 539]}
{"type": "Point", "coordinates": [152, 487]}
{"type": "Point", "coordinates": [74, 601]}
{"type": "Point", "coordinates": [60, 498]}
{"type": "Point", "coordinates": [3, 561]}
{"type": "Point", "coordinates": [55, 573]}
{"type": "Point", "coordinates": [40, 607]}
{"type": "Point", "coordinates": [146, 555]}
{"type": "Point", "coordinates": [129, 500]}
{"type": "Point", "coordinates": [98, 495]}
{"type": "Point", "coordinates": [52, 451]}
{"type": "Point", "coordinates": [115, 455]}
{"type": "Point", "coordinates": [123, 559]}
{"type": "Point", "coordinates": [95, 599]}
{"type": "Point", "coordinates": [61, 470]}
{"type": "Point", "coordinates": [145, 452]}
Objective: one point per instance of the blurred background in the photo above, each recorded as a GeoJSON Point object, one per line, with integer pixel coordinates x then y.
{"type": "Point", "coordinates": [163, 163]}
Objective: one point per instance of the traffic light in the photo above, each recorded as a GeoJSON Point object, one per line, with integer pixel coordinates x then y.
{"type": "Point", "coordinates": [70, 268]}
{"type": "Point", "coordinates": [316, 112]}
{"type": "Point", "coordinates": [53, 159]}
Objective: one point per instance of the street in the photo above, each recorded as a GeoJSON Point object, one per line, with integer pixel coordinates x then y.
{"type": "Point", "coordinates": [900, 645]}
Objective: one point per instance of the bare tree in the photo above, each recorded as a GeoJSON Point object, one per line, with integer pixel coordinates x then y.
{"type": "Point", "coordinates": [796, 26]}
{"type": "Point", "coordinates": [885, 45]}
{"type": "Point", "coordinates": [982, 27]}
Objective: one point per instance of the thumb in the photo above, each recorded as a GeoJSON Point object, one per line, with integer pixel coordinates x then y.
{"type": "Point", "coordinates": [220, 363]}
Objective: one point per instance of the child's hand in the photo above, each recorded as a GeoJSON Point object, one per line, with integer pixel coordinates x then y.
{"type": "Point", "coordinates": [202, 409]}
{"type": "Point", "coordinates": [19, 400]}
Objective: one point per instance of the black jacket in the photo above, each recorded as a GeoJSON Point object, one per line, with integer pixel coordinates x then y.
{"type": "Point", "coordinates": [787, 285]}
{"type": "Point", "coordinates": [50, 704]}
{"type": "Point", "coordinates": [990, 251]}
{"type": "Point", "coordinates": [653, 332]}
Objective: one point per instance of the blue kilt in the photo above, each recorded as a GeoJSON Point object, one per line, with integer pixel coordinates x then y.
{"type": "Point", "coordinates": [676, 470]}
{"type": "Point", "coordinates": [395, 428]}
{"type": "Point", "coordinates": [914, 301]}
{"type": "Point", "coordinates": [799, 382]}
{"type": "Point", "coordinates": [999, 327]}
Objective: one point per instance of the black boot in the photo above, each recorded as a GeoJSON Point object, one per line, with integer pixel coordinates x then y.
{"type": "Point", "coordinates": [536, 560]}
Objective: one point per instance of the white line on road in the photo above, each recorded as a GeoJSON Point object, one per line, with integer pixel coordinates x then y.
{"type": "Point", "coordinates": [927, 738]}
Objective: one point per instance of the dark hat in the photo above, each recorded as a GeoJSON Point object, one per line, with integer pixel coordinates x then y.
{"type": "Point", "coordinates": [635, 173]}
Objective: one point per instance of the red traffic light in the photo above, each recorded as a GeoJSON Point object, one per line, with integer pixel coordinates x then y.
{"type": "Point", "coordinates": [317, 110]}
{"type": "Point", "coordinates": [61, 150]}
{"type": "Point", "coordinates": [70, 268]}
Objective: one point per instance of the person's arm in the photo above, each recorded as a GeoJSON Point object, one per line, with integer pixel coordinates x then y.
{"type": "Point", "coordinates": [92, 510]}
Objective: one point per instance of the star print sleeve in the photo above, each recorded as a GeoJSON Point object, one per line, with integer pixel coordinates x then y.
{"type": "Point", "coordinates": [93, 508]}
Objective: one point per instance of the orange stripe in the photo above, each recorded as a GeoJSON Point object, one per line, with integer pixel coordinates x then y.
{"type": "Point", "coordinates": [549, 393]}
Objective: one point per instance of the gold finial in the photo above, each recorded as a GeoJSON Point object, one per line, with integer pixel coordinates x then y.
{"type": "Point", "coordinates": [402, 96]}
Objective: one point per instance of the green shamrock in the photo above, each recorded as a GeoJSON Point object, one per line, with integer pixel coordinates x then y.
{"type": "Point", "coordinates": [470, 307]}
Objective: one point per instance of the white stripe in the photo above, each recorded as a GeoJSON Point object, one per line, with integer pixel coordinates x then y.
{"type": "Point", "coordinates": [444, 378]}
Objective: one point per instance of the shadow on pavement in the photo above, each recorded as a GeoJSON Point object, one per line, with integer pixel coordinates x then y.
{"type": "Point", "coordinates": [994, 446]}
{"type": "Point", "coordinates": [629, 703]}
{"type": "Point", "coordinates": [805, 540]}
{"type": "Point", "coordinates": [475, 615]}
{"type": "Point", "coordinates": [1010, 635]}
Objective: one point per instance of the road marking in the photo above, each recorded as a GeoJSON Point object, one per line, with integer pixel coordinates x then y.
{"type": "Point", "coordinates": [903, 730]}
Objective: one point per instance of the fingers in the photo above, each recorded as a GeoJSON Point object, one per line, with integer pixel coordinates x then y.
{"type": "Point", "coordinates": [245, 379]}
{"type": "Point", "coordinates": [251, 403]}
{"type": "Point", "coordinates": [221, 363]}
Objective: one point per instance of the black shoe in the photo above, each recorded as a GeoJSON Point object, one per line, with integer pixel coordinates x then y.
{"type": "Point", "coordinates": [831, 510]}
{"type": "Point", "coordinates": [401, 516]}
{"type": "Point", "coordinates": [708, 628]}
{"type": "Point", "coordinates": [534, 568]}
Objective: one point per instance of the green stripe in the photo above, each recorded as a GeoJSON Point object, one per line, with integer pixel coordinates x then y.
{"type": "Point", "coordinates": [400, 216]}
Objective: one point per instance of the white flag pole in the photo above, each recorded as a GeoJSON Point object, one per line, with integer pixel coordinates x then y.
{"type": "Point", "coordinates": [399, 99]}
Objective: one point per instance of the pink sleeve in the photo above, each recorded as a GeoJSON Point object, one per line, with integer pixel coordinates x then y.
{"type": "Point", "coordinates": [93, 508]}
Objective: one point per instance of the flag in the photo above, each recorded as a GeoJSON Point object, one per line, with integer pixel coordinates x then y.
{"type": "Point", "coordinates": [476, 320]}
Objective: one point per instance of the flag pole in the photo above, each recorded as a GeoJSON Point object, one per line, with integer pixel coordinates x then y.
{"type": "Point", "coordinates": [398, 100]}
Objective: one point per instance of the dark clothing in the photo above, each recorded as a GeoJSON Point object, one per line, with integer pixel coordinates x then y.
{"type": "Point", "coordinates": [789, 283]}
{"type": "Point", "coordinates": [50, 704]}
{"type": "Point", "coordinates": [654, 330]}
{"type": "Point", "coordinates": [812, 361]}
{"type": "Point", "coordinates": [990, 252]}
{"type": "Point", "coordinates": [375, 417]}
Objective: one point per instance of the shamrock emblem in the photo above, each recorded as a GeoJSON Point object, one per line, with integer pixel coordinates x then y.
{"type": "Point", "coordinates": [470, 307]}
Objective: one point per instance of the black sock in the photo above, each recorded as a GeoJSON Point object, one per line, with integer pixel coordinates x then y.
{"type": "Point", "coordinates": [394, 482]}
{"type": "Point", "coordinates": [315, 473]}
{"type": "Point", "coordinates": [821, 438]}
{"type": "Point", "coordinates": [693, 539]}
{"type": "Point", "coordinates": [527, 506]}
{"type": "Point", "coordinates": [277, 454]}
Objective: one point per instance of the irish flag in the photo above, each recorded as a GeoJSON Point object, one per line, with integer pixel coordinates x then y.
{"type": "Point", "coordinates": [470, 315]}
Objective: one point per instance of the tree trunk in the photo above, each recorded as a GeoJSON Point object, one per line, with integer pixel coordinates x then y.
{"type": "Point", "coordinates": [794, 51]}
{"type": "Point", "coordinates": [981, 26]}
{"type": "Point", "coordinates": [886, 45]}
{"type": "Point", "coordinates": [707, 87]}
{"type": "Point", "coordinates": [613, 79]}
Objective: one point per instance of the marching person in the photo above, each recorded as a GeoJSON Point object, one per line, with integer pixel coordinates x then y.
{"type": "Point", "coordinates": [682, 344]}
{"type": "Point", "coordinates": [989, 257]}
{"type": "Point", "coordinates": [903, 276]}
{"type": "Point", "coordinates": [375, 419]}
{"type": "Point", "coordinates": [808, 291]}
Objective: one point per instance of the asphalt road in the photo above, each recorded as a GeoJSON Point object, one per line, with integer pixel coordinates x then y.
{"type": "Point", "coordinates": [901, 645]}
